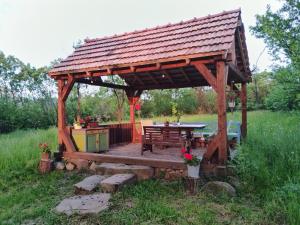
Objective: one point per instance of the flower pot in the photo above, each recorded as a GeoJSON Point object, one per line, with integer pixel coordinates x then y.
{"type": "Point", "coordinates": [45, 156]}
{"type": "Point", "coordinates": [193, 171]}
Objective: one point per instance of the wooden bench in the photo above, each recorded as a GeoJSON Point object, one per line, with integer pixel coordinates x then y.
{"type": "Point", "coordinates": [161, 136]}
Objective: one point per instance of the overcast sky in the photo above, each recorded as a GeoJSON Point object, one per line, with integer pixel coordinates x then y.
{"type": "Point", "coordinates": [39, 31]}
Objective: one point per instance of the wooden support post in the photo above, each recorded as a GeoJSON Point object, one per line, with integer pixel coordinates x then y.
{"type": "Point", "coordinates": [60, 112]}
{"type": "Point", "coordinates": [243, 95]}
{"type": "Point", "coordinates": [133, 97]}
{"type": "Point", "coordinates": [64, 88]}
{"type": "Point", "coordinates": [132, 102]}
{"type": "Point", "coordinates": [222, 71]}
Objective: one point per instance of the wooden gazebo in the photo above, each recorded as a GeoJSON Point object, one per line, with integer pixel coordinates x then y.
{"type": "Point", "coordinates": [207, 51]}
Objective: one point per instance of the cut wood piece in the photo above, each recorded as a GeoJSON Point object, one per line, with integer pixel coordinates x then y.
{"type": "Point", "coordinates": [84, 204]}
{"type": "Point", "coordinates": [142, 172]}
{"type": "Point", "coordinates": [88, 185]}
{"type": "Point", "coordinates": [117, 181]}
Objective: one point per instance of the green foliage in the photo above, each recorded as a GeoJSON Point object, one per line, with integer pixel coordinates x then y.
{"type": "Point", "coordinates": [285, 91]}
{"type": "Point", "coordinates": [25, 96]}
{"type": "Point", "coordinates": [281, 30]}
{"type": "Point", "coordinates": [258, 90]}
{"type": "Point", "coordinates": [268, 164]}
{"type": "Point", "coordinates": [206, 100]}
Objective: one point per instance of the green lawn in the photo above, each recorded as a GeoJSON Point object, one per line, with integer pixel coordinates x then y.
{"type": "Point", "coordinates": [268, 166]}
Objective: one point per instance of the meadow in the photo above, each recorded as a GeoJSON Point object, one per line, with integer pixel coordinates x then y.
{"type": "Point", "coordinates": [267, 165]}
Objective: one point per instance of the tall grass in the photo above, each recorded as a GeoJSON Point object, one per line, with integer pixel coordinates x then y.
{"type": "Point", "coordinates": [269, 164]}
{"type": "Point", "coordinates": [19, 150]}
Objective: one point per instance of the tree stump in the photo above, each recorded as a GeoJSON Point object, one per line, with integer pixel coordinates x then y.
{"type": "Point", "coordinates": [45, 166]}
{"type": "Point", "coordinates": [191, 185]}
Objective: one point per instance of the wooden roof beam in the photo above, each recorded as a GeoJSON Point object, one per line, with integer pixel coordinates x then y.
{"type": "Point", "coordinates": [99, 82]}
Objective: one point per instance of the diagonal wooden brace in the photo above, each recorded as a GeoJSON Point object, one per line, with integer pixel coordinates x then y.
{"type": "Point", "coordinates": [206, 73]}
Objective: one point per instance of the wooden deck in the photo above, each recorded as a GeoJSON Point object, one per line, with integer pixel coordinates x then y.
{"type": "Point", "coordinates": [134, 150]}
{"type": "Point", "coordinates": [131, 154]}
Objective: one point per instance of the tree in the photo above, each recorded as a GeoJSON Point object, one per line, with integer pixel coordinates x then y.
{"type": "Point", "coordinates": [281, 32]}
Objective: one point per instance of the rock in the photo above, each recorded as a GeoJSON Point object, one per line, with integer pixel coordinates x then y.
{"type": "Point", "coordinates": [142, 172]}
{"type": "Point", "coordinates": [70, 166]}
{"type": "Point", "coordinates": [88, 185]}
{"type": "Point", "coordinates": [60, 166]}
{"type": "Point", "coordinates": [117, 181]}
{"type": "Point", "coordinates": [84, 204]}
{"type": "Point", "coordinates": [80, 163]}
{"type": "Point", "coordinates": [218, 187]}
{"type": "Point", "coordinates": [93, 167]}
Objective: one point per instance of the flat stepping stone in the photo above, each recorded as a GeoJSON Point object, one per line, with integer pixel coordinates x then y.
{"type": "Point", "coordinates": [84, 204]}
{"type": "Point", "coordinates": [88, 184]}
{"type": "Point", "coordinates": [142, 172]}
{"type": "Point", "coordinates": [117, 181]}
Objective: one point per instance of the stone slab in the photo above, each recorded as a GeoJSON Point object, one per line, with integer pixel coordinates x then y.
{"type": "Point", "coordinates": [117, 181]}
{"type": "Point", "coordinates": [84, 204]}
{"type": "Point", "coordinates": [142, 172]}
{"type": "Point", "coordinates": [88, 184]}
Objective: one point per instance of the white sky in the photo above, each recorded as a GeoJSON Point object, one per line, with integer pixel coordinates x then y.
{"type": "Point", "coordinates": [39, 31]}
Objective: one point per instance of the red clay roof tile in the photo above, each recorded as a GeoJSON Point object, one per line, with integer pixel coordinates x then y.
{"type": "Point", "coordinates": [200, 35]}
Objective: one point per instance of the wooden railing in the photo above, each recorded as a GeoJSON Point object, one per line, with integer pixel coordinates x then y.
{"type": "Point", "coordinates": [120, 133]}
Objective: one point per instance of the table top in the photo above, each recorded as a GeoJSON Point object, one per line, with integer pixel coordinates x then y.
{"type": "Point", "coordinates": [187, 126]}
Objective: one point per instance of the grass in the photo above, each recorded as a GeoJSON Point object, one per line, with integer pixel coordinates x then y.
{"type": "Point", "coordinates": [268, 167]}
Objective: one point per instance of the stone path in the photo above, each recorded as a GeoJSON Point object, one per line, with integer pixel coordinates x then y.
{"type": "Point", "coordinates": [117, 181]}
{"type": "Point", "coordinates": [88, 185]}
{"type": "Point", "coordinates": [88, 202]}
{"type": "Point", "coordinates": [84, 204]}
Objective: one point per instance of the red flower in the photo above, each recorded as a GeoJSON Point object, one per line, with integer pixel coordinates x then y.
{"type": "Point", "coordinates": [137, 107]}
{"type": "Point", "coordinates": [183, 150]}
{"type": "Point", "coordinates": [188, 156]}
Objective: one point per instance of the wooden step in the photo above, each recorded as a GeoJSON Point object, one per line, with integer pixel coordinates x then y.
{"type": "Point", "coordinates": [117, 181]}
{"type": "Point", "coordinates": [142, 172]}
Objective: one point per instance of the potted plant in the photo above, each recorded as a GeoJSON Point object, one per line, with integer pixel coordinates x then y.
{"type": "Point", "coordinates": [193, 164]}
{"type": "Point", "coordinates": [46, 151]}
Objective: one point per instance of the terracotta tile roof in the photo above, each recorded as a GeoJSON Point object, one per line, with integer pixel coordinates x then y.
{"type": "Point", "coordinates": [208, 34]}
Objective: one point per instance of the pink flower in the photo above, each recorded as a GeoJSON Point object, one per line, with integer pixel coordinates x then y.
{"type": "Point", "coordinates": [188, 156]}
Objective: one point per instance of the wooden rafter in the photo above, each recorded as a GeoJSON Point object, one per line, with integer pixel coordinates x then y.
{"type": "Point", "coordinates": [185, 74]}
{"type": "Point", "coordinates": [152, 78]}
{"type": "Point", "coordinates": [241, 49]}
{"type": "Point", "coordinates": [169, 77]}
